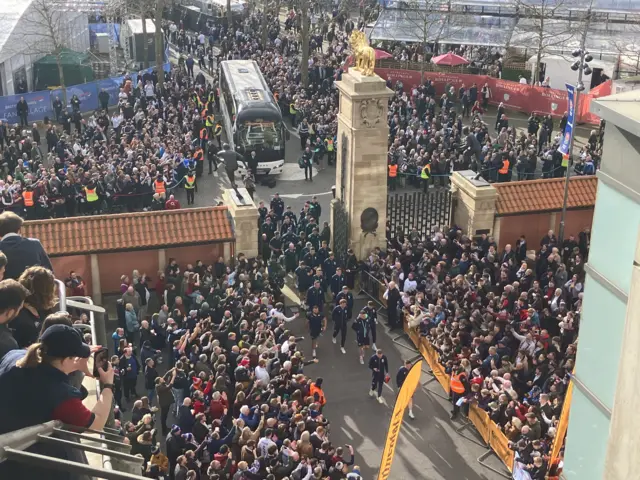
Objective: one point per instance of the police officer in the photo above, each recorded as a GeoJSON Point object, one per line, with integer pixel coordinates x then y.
{"type": "Point", "coordinates": [303, 131]}
{"type": "Point", "coordinates": [340, 318]}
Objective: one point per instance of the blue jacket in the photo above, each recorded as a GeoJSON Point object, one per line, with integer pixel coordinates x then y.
{"type": "Point", "coordinates": [132, 362]}
{"type": "Point", "coordinates": [337, 282]}
{"type": "Point", "coordinates": [116, 342]}
{"type": "Point", "coordinates": [340, 314]}
{"type": "Point", "coordinates": [251, 421]}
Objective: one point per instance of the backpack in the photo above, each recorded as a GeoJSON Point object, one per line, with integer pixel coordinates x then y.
{"type": "Point", "coordinates": [301, 162]}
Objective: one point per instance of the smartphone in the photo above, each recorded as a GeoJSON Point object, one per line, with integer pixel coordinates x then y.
{"type": "Point", "coordinates": [100, 359]}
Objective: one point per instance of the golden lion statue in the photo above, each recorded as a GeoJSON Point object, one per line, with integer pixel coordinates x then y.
{"type": "Point", "coordinates": [365, 56]}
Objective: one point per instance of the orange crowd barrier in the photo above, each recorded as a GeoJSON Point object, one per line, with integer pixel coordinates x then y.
{"type": "Point", "coordinates": [489, 431]}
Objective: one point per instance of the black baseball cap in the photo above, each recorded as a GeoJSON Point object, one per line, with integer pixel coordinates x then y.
{"type": "Point", "coordinates": [63, 341]}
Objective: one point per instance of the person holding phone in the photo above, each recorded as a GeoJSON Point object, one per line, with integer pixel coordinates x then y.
{"type": "Point", "coordinates": [41, 375]}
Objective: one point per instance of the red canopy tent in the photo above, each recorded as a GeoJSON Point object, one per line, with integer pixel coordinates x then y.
{"type": "Point", "coordinates": [449, 60]}
{"type": "Point", "coordinates": [381, 54]}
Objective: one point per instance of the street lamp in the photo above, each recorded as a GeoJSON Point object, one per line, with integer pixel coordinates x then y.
{"type": "Point", "coordinates": [581, 65]}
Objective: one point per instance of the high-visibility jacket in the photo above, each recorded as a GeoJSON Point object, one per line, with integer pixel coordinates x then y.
{"type": "Point", "coordinates": [218, 130]}
{"type": "Point", "coordinates": [91, 194]}
{"type": "Point", "coordinates": [190, 182]}
{"type": "Point", "coordinates": [505, 167]}
{"type": "Point", "coordinates": [313, 390]}
{"type": "Point", "coordinates": [204, 134]}
{"type": "Point", "coordinates": [160, 187]}
{"type": "Point", "coordinates": [199, 155]}
{"type": "Point", "coordinates": [28, 199]}
{"type": "Point", "coordinates": [456, 384]}
{"type": "Point", "coordinates": [426, 172]}
{"type": "Point", "coordinates": [292, 108]}
{"type": "Point", "coordinates": [565, 161]}
{"type": "Point", "coordinates": [209, 121]}
{"type": "Point", "coordinates": [393, 171]}
{"type": "Point", "coordinates": [329, 143]}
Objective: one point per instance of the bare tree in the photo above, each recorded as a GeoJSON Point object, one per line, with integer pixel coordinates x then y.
{"type": "Point", "coordinates": [158, 37]}
{"type": "Point", "coordinates": [541, 26]}
{"type": "Point", "coordinates": [427, 21]}
{"type": "Point", "coordinates": [304, 40]}
{"type": "Point", "coordinates": [45, 30]}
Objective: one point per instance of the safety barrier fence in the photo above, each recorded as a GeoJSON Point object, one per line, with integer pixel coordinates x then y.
{"type": "Point", "coordinates": [41, 103]}
{"type": "Point", "coordinates": [74, 440]}
{"type": "Point", "coordinates": [492, 436]}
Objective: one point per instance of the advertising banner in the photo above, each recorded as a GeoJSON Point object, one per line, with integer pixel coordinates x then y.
{"type": "Point", "coordinates": [513, 95]}
{"type": "Point", "coordinates": [87, 93]}
{"type": "Point", "coordinates": [404, 395]}
{"type": "Point", "coordinates": [39, 107]}
{"type": "Point", "coordinates": [565, 145]}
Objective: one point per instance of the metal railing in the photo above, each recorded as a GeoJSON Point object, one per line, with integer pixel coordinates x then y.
{"type": "Point", "coordinates": [13, 445]}
{"type": "Point", "coordinates": [373, 288]}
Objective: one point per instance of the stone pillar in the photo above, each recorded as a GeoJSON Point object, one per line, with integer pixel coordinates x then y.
{"type": "Point", "coordinates": [361, 168]}
{"type": "Point", "coordinates": [475, 203]}
{"type": "Point", "coordinates": [162, 259]}
{"type": "Point", "coordinates": [96, 288]}
{"type": "Point", "coordinates": [624, 432]}
{"type": "Point", "coordinates": [245, 220]}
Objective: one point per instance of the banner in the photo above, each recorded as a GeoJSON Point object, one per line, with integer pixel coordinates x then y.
{"type": "Point", "coordinates": [87, 93]}
{"type": "Point", "coordinates": [513, 95]}
{"type": "Point", "coordinates": [563, 424]}
{"type": "Point", "coordinates": [565, 145]}
{"type": "Point", "coordinates": [481, 421]}
{"type": "Point", "coordinates": [499, 443]}
{"type": "Point", "coordinates": [402, 400]}
{"type": "Point", "coordinates": [39, 106]}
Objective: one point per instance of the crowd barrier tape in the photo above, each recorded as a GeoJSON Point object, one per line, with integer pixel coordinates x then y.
{"type": "Point", "coordinates": [489, 431]}
{"type": "Point", "coordinates": [41, 103]}
{"type": "Point", "coordinates": [514, 95]}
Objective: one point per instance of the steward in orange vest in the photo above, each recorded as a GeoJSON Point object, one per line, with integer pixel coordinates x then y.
{"type": "Point", "coordinates": [393, 173]}
{"type": "Point", "coordinates": [458, 389]}
{"type": "Point", "coordinates": [315, 391]}
{"type": "Point", "coordinates": [198, 158]}
{"type": "Point", "coordinates": [503, 172]}
{"type": "Point", "coordinates": [159, 186]}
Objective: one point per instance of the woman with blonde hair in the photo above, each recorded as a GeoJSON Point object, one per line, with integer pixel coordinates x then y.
{"type": "Point", "coordinates": [41, 285]}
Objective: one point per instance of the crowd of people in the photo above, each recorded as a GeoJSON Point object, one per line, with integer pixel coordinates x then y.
{"type": "Point", "coordinates": [504, 325]}
{"type": "Point", "coordinates": [432, 135]}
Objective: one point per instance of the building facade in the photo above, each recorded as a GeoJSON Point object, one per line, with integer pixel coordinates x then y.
{"type": "Point", "coordinates": [603, 434]}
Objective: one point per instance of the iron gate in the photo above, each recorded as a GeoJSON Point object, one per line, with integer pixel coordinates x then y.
{"type": "Point", "coordinates": [340, 232]}
{"type": "Point", "coordinates": [424, 211]}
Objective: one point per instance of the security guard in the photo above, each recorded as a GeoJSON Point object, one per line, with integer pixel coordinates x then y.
{"type": "Point", "coordinates": [209, 122]}
{"type": "Point", "coordinates": [198, 158]}
{"type": "Point", "coordinates": [204, 136]}
{"type": "Point", "coordinates": [504, 173]}
{"type": "Point", "coordinates": [458, 386]}
{"type": "Point", "coordinates": [329, 145]}
{"type": "Point", "coordinates": [292, 113]}
{"type": "Point", "coordinates": [93, 200]}
{"type": "Point", "coordinates": [160, 187]}
{"type": "Point", "coordinates": [425, 175]}
{"type": "Point", "coordinates": [217, 133]}
{"type": "Point", "coordinates": [393, 174]}
{"type": "Point", "coordinates": [190, 187]}
{"type": "Point", "coordinates": [29, 203]}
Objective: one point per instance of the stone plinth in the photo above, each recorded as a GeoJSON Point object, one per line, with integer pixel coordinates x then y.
{"type": "Point", "coordinates": [245, 220]}
{"type": "Point", "coordinates": [362, 140]}
{"type": "Point", "coordinates": [475, 207]}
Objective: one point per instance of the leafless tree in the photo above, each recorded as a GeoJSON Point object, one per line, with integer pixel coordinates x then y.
{"type": "Point", "coordinates": [45, 29]}
{"type": "Point", "coordinates": [305, 19]}
{"type": "Point", "coordinates": [427, 22]}
{"type": "Point", "coordinates": [543, 26]}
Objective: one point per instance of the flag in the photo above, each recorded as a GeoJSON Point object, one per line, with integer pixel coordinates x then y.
{"type": "Point", "coordinates": [402, 400]}
{"type": "Point", "coordinates": [565, 145]}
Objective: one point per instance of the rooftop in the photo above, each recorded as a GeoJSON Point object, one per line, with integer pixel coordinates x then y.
{"type": "Point", "coordinates": [534, 196]}
{"type": "Point", "coordinates": [621, 109]}
{"type": "Point", "coordinates": [131, 231]}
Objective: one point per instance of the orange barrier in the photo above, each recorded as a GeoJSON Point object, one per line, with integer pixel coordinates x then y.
{"type": "Point", "coordinates": [563, 424]}
{"type": "Point", "coordinates": [481, 421]}
{"type": "Point", "coordinates": [489, 431]}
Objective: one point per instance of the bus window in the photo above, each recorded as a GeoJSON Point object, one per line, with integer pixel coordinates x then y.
{"type": "Point", "coordinates": [266, 134]}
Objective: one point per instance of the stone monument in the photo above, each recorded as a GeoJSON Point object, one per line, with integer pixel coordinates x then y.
{"type": "Point", "coordinates": [245, 220]}
{"type": "Point", "coordinates": [361, 167]}
{"type": "Point", "coordinates": [475, 209]}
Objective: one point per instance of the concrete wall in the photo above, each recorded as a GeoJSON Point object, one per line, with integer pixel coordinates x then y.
{"type": "Point", "coordinates": [596, 447]}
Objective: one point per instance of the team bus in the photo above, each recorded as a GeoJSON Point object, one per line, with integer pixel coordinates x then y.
{"type": "Point", "coordinates": [251, 115]}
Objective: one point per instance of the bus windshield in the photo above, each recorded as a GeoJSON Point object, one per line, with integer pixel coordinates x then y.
{"type": "Point", "coordinates": [266, 134]}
